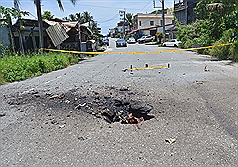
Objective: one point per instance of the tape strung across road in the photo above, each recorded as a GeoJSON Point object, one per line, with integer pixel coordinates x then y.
{"type": "Point", "coordinates": [147, 67]}
{"type": "Point", "coordinates": [152, 67]}
{"type": "Point", "coordinates": [155, 52]}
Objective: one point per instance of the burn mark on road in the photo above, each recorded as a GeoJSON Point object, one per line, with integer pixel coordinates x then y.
{"type": "Point", "coordinates": [109, 103]}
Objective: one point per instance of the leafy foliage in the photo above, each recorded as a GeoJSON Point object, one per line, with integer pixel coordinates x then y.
{"type": "Point", "coordinates": [8, 13]}
{"type": "Point", "coordinates": [225, 52]}
{"type": "Point", "coordinates": [129, 20]}
{"type": "Point", "coordinates": [85, 17]}
{"type": "Point", "coordinates": [17, 67]}
{"type": "Point", "coordinates": [217, 23]}
{"type": "Point", "coordinates": [47, 15]}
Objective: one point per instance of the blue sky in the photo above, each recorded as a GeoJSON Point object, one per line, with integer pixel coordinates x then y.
{"type": "Point", "coordinates": [105, 12]}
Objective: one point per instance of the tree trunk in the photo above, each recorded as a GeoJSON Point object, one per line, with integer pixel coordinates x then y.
{"type": "Point", "coordinates": [11, 35]}
{"type": "Point", "coordinates": [40, 24]}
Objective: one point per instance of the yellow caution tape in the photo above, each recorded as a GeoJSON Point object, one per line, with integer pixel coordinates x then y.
{"type": "Point", "coordinates": [91, 53]}
{"type": "Point", "coordinates": [147, 67]}
{"type": "Point", "coordinates": [208, 47]}
{"type": "Point", "coordinates": [155, 52]}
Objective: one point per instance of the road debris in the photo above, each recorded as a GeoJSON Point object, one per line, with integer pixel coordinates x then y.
{"type": "Point", "coordinates": [80, 105]}
{"type": "Point", "coordinates": [206, 69]}
{"type": "Point", "coordinates": [170, 140]}
{"type": "Point", "coordinates": [199, 82]}
{"type": "Point", "coordinates": [54, 96]}
{"type": "Point", "coordinates": [61, 126]}
{"type": "Point", "coordinates": [109, 103]}
{"type": "Point", "coordinates": [2, 114]}
{"type": "Point", "coordinates": [61, 95]}
{"type": "Point", "coordinates": [81, 138]}
{"type": "Point", "coordinates": [124, 69]}
{"type": "Point", "coordinates": [54, 122]}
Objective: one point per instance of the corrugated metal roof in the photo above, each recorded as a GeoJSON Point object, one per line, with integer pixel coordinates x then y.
{"type": "Point", "coordinates": [57, 34]}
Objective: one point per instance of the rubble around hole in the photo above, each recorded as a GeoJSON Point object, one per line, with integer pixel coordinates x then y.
{"type": "Point", "coordinates": [109, 103]}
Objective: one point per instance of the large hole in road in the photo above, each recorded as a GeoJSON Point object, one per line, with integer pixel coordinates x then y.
{"type": "Point", "coordinates": [109, 103]}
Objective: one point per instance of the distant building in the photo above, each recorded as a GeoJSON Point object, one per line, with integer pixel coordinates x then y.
{"type": "Point", "coordinates": [150, 24]}
{"type": "Point", "coordinates": [120, 27]}
{"type": "Point", "coordinates": [57, 34]}
{"type": "Point", "coordinates": [184, 11]}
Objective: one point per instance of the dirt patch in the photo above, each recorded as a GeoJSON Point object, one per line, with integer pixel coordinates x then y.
{"type": "Point", "coordinates": [109, 103]}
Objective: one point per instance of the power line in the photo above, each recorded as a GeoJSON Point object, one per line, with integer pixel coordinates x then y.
{"type": "Point", "coordinates": [144, 6]}
{"type": "Point", "coordinates": [115, 16]}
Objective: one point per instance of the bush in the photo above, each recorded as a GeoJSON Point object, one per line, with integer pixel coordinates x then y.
{"type": "Point", "coordinates": [17, 67]}
{"type": "Point", "coordinates": [225, 52]}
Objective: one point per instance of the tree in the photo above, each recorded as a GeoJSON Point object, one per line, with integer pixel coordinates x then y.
{"type": "Point", "coordinates": [8, 14]}
{"type": "Point", "coordinates": [86, 17]}
{"type": "Point", "coordinates": [73, 17]}
{"type": "Point", "coordinates": [215, 12]}
{"type": "Point", "coordinates": [129, 20]}
{"type": "Point", "coordinates": [39, 15]}
{"type": "Point", "coordinates": [47, 15]}
{"type": "Point", "coordinates": [216, 24]}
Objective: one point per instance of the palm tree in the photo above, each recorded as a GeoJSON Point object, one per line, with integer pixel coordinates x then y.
{"type": "Point", "coordinates": [86, 17]}
{"type": "Point", "coordinates": [129, 20]}
{"type": "Point", "coordinates": [47, 15]}
{"type": "Point", "coordinates": [38, 9]}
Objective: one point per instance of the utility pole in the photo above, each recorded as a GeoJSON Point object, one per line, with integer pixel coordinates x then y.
{"type": "Point", "coordinates": [40, 24]}
{"type": "Point", "coordinates": [163, 19]}
{"type": "Point", "coordinates": [122, 13]}
{"type": "Point", "coordinates": [124, 31]}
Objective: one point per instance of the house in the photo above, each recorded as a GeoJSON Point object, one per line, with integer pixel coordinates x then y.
{"type": "Point", "coordinates": [150, 24]}
{"type": "Point", "coordinates": [68, 35]}
{"type": "Point", "coordinates": [56, 34]}
{"type": "Point", "coordinates": [4, 33]}
{"type": "Point", "coordinates": [184, 11]}
{"type": "Point", "coordinates": [185, 14]}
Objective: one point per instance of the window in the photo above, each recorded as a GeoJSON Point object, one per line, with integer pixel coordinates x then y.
{"type": "Point", "coordinates": [173, 22]}
{"type": "Point", "coordinates": [151, 23]}
{"type": "Point", "coordinates": [139, 23]}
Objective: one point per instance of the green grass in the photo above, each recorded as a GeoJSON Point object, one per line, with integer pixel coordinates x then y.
{"type": "Point", "coordinates": [20, 67]}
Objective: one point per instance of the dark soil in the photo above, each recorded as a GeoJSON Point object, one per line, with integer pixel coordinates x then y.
{"type": "Point", "coordinates": [109, 103]}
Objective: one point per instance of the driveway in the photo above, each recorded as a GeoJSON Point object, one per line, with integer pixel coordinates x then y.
{"type": "Point", "coordinates": [44, 121]}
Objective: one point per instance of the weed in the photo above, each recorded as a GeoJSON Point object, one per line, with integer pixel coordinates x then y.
{"type": "Point", "coordinates": [19, 67]}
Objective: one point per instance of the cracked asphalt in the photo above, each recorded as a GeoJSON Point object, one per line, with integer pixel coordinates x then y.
{"type": "Point", "coordinates": [195, 108]}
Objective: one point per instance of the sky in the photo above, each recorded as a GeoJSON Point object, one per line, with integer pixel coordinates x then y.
{"type": "Point", "coordinates": [104, 12]}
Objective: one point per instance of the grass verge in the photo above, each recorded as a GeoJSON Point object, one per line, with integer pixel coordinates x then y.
{"type": "Point", "coordinates": [20, 67]}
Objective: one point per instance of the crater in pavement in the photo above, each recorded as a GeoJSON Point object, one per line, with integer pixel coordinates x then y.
{"type": "Point", "coordinates": [109, 103]}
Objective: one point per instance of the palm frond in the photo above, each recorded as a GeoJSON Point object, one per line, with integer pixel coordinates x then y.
{"type": "Point", "coordinates": [215, 6]}
{"type": "Point", "coordinates": [60, 5]}
{"type": "Point", "coordinates": [73, 1]}
{"type": "Point", "coordinates": [17, 4]}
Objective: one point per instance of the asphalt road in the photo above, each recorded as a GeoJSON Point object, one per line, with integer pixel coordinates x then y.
{"type": "Point", "coordinates": [196, 108]}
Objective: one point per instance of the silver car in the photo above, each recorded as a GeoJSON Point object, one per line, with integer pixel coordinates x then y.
{"type": "Point", "coordinates": [131, 40]}
{"type": "Point", "coordinates": [121, 42]}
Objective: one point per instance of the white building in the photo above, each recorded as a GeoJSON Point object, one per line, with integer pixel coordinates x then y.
{"type": "Point", "coordinates": [150, 23]}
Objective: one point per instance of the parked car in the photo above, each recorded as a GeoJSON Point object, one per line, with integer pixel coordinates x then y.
{"type": "Point", "coordinates": [105, 41]}
{"type": "Point", "coordinates": [172, 42]}
{"type": "Point", "coordinates": [144, 39]}
{"type": "Point", "coordinates": [121, 42]}
{"type": "Point", "coordinates": [131, 40]}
